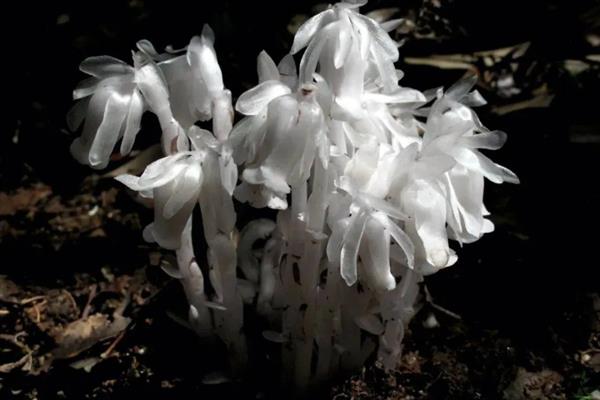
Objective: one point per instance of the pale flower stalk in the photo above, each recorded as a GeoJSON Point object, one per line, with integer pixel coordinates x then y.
{"type": "Point", "coordinates": [370, 181]}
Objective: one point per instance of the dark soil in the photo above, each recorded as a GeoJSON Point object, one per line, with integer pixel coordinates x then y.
{"type": "Point", "coordinates": [86, 311]}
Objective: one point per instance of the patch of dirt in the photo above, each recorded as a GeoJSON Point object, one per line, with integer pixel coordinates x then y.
{"type": "Point", "coordinates": [459, 360]}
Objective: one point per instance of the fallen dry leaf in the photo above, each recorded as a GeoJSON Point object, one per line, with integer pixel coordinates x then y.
{"type": "Point", "coordinates": [441, 62]}
{"type": "Point", "coordinates": [8, 367]}
{"type": "Point", "coordinates": [24, 199]}
{"type": "Point", "coordinates": [540, 101]}
{"type": "Point", "coordinates": [82, 334]}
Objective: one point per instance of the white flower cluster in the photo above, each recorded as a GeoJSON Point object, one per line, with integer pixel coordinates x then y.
{"type": "Point", "coordinates": [371, 179]}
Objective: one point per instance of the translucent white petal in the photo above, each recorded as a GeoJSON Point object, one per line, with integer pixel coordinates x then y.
{"type": "Point", "coordinates": [310, 58]}
{"type": "Point", "coordinates": [85, 88]}
{"type": "Point", "coordinates": [308, 29]}
{"type": "Point", "coordinates": [400, 237]}
{"type": "Point", "coordinates": [229, 172]}
{"type": "Point", "coordinates": [202, 139]}
{"type": "Point", "coordinates": [288, 71]}
{"type": "Point", "coordinates": [222, 114]}
{"type": "Point", "coordinates": [258, 98]}
{"type": "Point", "coordinates": [429, 209]}
{"type": "Point", "coordinates": [494, 172]}
{"type": "Point", "coordinates": [267, 70]}
{"type": "Point", "coordinates": [461, 88]}
{"type": "Point", "coordinates": [157, 174]}
{"type": "Point", "coordinates": [364, 37]}
{"type": "Point", "coordinates": [119, 86]}
{"type": "Point", "coordinates": [208, 34]}
{"type": "Point", "coordinates": [187, 103]}
{"type": "Point", "coordinates": [186, 189]}
{"type": "Point", "coordinates": [433, 166]}
{"type": "Point", "coordinates": [392, 24]}
{"type": "Point", "coordinates": [381, 37]}
{"type": "Point", "coordinates": [282, 114]}
{"type": "Point", "coordinates": [386, 69]}
{"type": "Point", "coordinates": [247, 136]}
{"type": "Point", "coordinates": [109, 130]}
{"type": "Point", "coordinates": [105, 66]}
{"type": "Point", "coordinates": [349, 254]}
{"type": "Point", "coordinates": [167, 232]}
{"type": "Point", "coordinates": [347, 108]}
{"type": "Point", "coordinates": [132, 124]}
{"type": "Point", "coordinates": [216, 204]}
{"type": "Point", "coordinates": [343, 44]}
{"type": "Point", "coordinates": [203, 61]}
{"type": "Point", "coordinates": [473, 99]}
{"type": "Point", "coordinates": [384, 206]}
{"type": "Point", "coordinates": [147, 47]}
{"type": "Point", "coordinates": [355, 3]}
{"type": "Point", "coordinates": [476, 161]}
{"type": "Point", "coordinates": [466, 200]}
{"type": "Point", "coordinates": [308, 128]}
{"type": "Point", "coordinates": [152, 85]}
{"type": "Point", "coordinates": [492, 140]}
{"type": "Point", "coordinates": [402, 95]}
{"type": "Point", "coordinates": [76, 114]}
{"type": "Point", "coordinates": [375, 255]}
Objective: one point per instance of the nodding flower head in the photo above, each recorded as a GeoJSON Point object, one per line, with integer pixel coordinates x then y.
{"type": "Point", "coordinates": [174, 183]}
{"type": "Point", "coordinates": [180, 90]}
{"type": "Point", "coordinates": [111, 105]}
{"type": "Point", "coordinates": [291, 134]}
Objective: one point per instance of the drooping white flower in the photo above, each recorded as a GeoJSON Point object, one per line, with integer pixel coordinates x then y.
{"type": "Point", "coordinates": [112, 107]}
{"type": "Point", "coordinates": [112, 102]}
{"type": "Point", "coordinates": [415, 187]}
{"type": "Point", "coordinates": [196, 84]}
{"type": "Point", "coordinates": [454, 129]}
{"type": "Point", "coordinates": [208, 78]}
{"type": "Point", "coordinates": [248, 134]}
{"type": "Point", "coordinates": [151, 82]}
{"type": "Point", "coordinates": [346, 45]}
{"type": "Point", "coordinates": [174, 182]}
{"type": "Point", "coordinates": [379, 121]}
{"type": "Point", "coordinates": [373, 222]}
{"type": "Point", "coordinates": [290, 137]}
{"type": "Point", "coordinates": [273, 81]}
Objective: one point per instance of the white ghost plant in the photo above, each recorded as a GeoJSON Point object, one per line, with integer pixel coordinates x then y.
{"type": "Point", "coordinates": [370, 180]}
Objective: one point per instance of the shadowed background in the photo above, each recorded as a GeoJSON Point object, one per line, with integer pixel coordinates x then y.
{"type": "Point", "coordinates": [520, 280]}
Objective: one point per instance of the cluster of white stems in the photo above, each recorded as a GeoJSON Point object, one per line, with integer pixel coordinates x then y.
{"type": "Point", "coordinates": [371, 180]}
